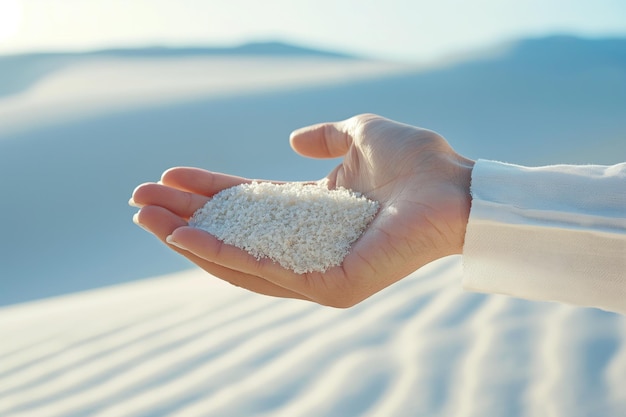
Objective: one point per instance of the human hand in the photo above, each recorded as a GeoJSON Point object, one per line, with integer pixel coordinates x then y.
{"type": "Point", "coordinates": [421, 183]}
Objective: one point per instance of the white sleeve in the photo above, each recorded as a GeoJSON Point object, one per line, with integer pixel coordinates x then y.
{"type": "Point", "coordinates": [555, 233]}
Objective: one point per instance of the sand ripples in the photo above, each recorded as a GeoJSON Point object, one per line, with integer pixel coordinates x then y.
{"type": "Point", "coordinates": [185, 345]}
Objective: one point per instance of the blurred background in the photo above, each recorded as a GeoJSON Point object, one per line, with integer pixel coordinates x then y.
{"type": "Point", "coordinates": [99, 96]}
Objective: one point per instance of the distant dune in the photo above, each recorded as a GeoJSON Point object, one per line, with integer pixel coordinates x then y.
{"type": "Point", "coordinates": [22, 70]}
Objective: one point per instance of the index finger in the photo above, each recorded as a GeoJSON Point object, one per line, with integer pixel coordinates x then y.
{"type": "Point", "coordinates": [200, 181]}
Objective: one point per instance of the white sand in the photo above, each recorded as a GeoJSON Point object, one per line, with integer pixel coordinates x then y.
{"type": "Point", "coordinates": [189, 345]}
{"type": "Point", "coordinates": [303, 227]}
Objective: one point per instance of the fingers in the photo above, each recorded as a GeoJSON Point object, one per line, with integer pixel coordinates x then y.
{"type": "Point", "coordinates": [158, 221]}
{"type": "Point", "coordinates": [199, 181]}
{"type": "Point", "coordinates": [164, 208]}
{"type": "Point", "coordinates": [315, 286]}
{"type": "Point", "coordinates": [326, 140]}
{"type": "Point", "coordinates": [181, 203]}
{"type": "Point", "coordinates": [210, 248]}
{"type": "Point", "coordinates": [162, 223]}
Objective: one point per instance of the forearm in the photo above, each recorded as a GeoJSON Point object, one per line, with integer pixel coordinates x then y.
{"type": "Point", "coordinates": [551, 233]}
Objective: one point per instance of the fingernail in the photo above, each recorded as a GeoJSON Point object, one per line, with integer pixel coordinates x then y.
{"type": "Point", "coordinates": [172, 242]}
{"type": "Point", "coordinates": [136, 221]}
{"type": "Point", "coordinates": [132, 203]}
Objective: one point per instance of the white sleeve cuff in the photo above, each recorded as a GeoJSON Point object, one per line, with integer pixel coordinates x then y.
{"type": "Point", "coordinates": [555, 233]}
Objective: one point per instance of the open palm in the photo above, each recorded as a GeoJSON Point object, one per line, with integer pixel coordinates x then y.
{"type": "Point", "coordinates": [422, 186]}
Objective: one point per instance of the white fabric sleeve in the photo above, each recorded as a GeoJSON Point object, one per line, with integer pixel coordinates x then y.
{"type": "Point", "coordinates": [555, 233]}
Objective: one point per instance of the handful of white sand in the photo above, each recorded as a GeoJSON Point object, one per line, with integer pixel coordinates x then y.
{"type": "Point", "coordinates": [303, 227]}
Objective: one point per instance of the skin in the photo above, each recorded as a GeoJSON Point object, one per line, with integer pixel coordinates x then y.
{"type": "Point", "coordinates": [421, 183]}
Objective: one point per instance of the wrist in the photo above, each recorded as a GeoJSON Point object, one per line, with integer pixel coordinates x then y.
{"type": "Point", "coordinates": [464, 181]}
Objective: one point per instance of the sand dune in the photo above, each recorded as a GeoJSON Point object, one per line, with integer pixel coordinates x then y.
{"type": "Point", "coordinates": [188, 345]}
{"type": "Point", "coordinates": [100, 85]}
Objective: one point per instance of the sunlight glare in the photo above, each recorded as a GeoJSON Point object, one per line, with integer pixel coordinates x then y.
{"type": "Point", "coordinates": [10, 18]}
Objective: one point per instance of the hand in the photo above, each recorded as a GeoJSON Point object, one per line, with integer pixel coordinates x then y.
{"type": "Point", "coordinates": [421, 183]}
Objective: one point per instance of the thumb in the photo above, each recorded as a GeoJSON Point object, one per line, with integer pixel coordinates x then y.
{"type": "Point", "coordinates": [324, 140]}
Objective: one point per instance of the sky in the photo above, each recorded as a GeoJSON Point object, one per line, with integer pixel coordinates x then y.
{"type": "Point", "coordinates": [412, 30]}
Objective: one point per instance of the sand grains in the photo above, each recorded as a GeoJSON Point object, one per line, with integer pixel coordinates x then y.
{"type": "Point", "coordinates": [303, 227]}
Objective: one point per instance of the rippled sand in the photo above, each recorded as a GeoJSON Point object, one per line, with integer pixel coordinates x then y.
{"type": "Point", "coordinates": [189, 345]}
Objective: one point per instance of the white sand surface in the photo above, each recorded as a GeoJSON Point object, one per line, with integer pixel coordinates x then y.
{"type": "Point", "coordinates": [189, 345]}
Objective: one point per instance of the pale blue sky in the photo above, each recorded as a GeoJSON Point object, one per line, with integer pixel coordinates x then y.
{"type": "Point", "coordinates": [414, 30]}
